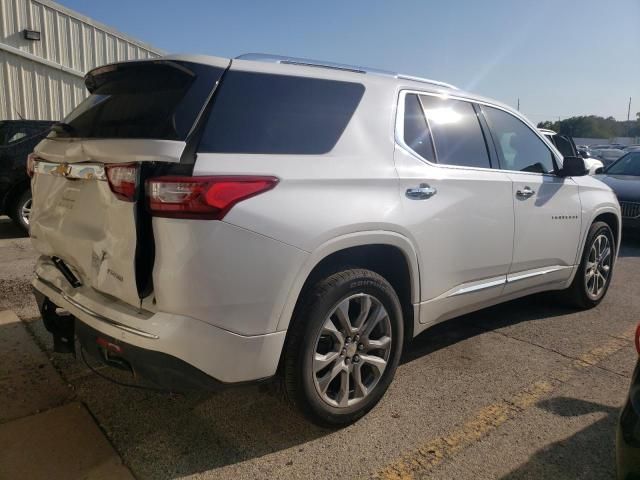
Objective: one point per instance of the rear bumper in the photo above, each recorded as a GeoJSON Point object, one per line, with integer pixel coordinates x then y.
{"type": "Point", "coordinates": [628, 435]}
{"type": "Point", "coordinates": [194, 345]}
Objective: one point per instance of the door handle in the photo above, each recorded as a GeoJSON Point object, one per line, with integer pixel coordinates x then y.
{"type": "Point", "coordinates": [525, 193]}
{"type": "Point", "coordinates": [422, 192]}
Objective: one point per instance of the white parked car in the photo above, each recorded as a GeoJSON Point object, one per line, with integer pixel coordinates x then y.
{"type": "Point", "coordinates": [204, 221]}
{"type": "Point", "coordinates": [567, 147]}
{"type": "Point", "coordinates": [607, 153]}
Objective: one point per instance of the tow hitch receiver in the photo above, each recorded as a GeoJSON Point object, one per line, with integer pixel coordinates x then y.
{"type": "Point", "coordinates": [60, 325]}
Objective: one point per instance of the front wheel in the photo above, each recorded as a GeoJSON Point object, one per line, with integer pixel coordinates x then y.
{"type": "Point", "coordinates": [344, 345]}
{"type": "Point", "coordinates": [21, 211]}
{"type": "Point", "coordinates": [593, 276]}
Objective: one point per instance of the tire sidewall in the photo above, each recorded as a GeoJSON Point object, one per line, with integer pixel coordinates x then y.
{"type": "Point", "coordinates": [354, 284]}
{"type": "Point", "coordinates": [595, 230]}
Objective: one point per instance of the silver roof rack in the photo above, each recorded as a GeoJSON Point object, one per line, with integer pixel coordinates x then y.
{"type": "Point", "coordinates": [265, 57]}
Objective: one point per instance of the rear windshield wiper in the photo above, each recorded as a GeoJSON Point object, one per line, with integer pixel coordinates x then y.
{"type": "Point", "coordinates": [63, 128]}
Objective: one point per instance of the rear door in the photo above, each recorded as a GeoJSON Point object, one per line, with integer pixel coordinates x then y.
{"type": "Point", "coordinates": [89, 220]}
{"type": "Point", "coordinates": [546, 207]}
{"type": "Point", "coordinates": [459, 208]}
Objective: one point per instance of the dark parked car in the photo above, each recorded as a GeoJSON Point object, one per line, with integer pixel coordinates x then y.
{"type": "Point", "coordinates": [628, 438]}
{"type": "Point", "coordinates": [623, 177]}
{"type": "Point", "coordinates": [17, 140]}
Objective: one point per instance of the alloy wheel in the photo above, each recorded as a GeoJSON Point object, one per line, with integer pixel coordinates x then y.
{"type": "Point", "coordinates": [352, 350]}
{"type": "Point", "coordinates": [25, 212]}
{"type": "Point", "coordinates": [598, 267]}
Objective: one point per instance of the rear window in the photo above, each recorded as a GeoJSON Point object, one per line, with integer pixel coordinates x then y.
{"type": "Point", "coordinates": [259, 113]}
{"type": "Point", "coordinates": [159, 100]}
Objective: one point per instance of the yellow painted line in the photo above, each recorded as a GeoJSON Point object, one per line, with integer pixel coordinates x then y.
{"type": "Point", "coordinates": [489, 418]}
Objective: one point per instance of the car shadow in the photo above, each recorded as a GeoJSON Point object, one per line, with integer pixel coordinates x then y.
{"type": "Point", "coordinates": [541, 306]}
{"type": "Point", "coordinates": [587, 454]}
{"type": "Point", "coordinates": [8, 229]}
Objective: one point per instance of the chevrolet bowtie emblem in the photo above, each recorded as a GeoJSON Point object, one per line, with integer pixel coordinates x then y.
{"type": "Point", "coordinates": [64, 169]}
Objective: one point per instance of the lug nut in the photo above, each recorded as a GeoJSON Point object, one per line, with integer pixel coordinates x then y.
{"type": "Point", "coordinates": [361, 346]}
{"type": "Point", "coordinates": [346, 360]}
{"type": "Point", "coordinates": [348, 340]}
{"type": "Point", "coordinates": [356, 338]}
{"type": "Point", "coordinates": [356, 359]}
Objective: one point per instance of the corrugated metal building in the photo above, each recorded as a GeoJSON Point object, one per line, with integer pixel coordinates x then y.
{"type": "Point", "coordinates": [42, 78]}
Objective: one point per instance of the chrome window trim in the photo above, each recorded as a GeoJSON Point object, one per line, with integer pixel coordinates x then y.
{"type": "Point", "coordinates": [399, 133]}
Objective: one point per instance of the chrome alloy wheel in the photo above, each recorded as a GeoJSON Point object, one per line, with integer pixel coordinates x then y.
{"type": "Point", "coordinates": [25, 212]}
{"type": "Point", "coordinates": [352, 350]}
{"type": "Point", "coordinates": [598, 267]}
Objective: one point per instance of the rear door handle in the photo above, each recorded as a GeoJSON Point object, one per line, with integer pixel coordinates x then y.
{"type": "Point", "coordinates": [422, 192]}
{"type": "Point", "coordinates": [525, 193]}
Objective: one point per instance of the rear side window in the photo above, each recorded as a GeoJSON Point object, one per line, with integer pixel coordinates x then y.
{"type": "Point", "coordinates": [258, 113]}
{"type": "Point", "coordinates": [456, 131]}
{"type": "Point", "coordinates": [518, 147]}
{"type": "Point", "coordinates": [156, 99]}
{"type": "Point", "coordinates": [416, 130]}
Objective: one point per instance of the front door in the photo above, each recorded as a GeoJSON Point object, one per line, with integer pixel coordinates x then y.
{"type": "Point", "coordinates": [546, 206]}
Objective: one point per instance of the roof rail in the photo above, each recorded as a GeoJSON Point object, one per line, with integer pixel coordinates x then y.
{"type": "Point", "coordinates": [265, 57]}
{"type": "Point", "coordinates": [426, 80]}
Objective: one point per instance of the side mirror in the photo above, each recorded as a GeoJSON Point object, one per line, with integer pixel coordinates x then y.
{"type": "Point", "coordinates": [573, 167]}
{"type": "Point", "coordinates": [599, 170]}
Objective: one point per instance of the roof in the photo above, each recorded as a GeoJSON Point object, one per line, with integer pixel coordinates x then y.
{"type": "Point", "coordinates": [265, 57]}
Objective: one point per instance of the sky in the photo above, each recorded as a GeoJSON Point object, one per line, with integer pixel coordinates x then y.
{"type": "Point", "coordinates": [559, 57]}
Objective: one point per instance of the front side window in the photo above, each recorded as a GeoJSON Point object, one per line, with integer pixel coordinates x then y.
{"type": "Point", "coordinates": [456, 131]}
{"type": "Point", "coordinates": [257, 113]}
{"type": "Point", "coordinates": [519, 148]}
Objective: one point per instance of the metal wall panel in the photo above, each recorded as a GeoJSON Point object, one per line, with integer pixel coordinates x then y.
{"type": "Point", "coordinates": [43, 79]}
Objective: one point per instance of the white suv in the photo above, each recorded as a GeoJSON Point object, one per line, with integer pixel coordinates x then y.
{"type": "Point", "coordinates": [204, 221]}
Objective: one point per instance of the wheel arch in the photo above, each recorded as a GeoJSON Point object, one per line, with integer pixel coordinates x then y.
{"type": "Point", "coordinates": [611, 216]}
{"type": "Point", "coordinates": [390, 254]}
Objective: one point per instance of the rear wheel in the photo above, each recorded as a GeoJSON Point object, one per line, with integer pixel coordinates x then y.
{"type": "Point", "coordinates": [593, 277]}
{"type": "Point", "coordinates": [21, 211]}
{"type": "Point", "coordinates": [343, 348]}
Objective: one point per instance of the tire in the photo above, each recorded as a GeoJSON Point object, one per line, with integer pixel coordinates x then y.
{"type": "Point", "coordinates": [20, 207]}
{"type": "Point", "coordinates": [317, 336]}
{"type": "Point", "coordinates": [581, 293]}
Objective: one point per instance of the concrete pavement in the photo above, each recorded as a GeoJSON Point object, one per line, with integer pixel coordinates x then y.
{"type": "Point", "coordinates": [529, 389]}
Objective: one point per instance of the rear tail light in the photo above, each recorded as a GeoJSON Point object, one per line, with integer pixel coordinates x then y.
{"type": "Point", "coordinates": [202, 197]}
{"type": "Point", "coordinates": [123, 180]}
{"type": "Point", "coordinates": [638, 339]}
{"type": "Point", "coordinates": [31, 164]}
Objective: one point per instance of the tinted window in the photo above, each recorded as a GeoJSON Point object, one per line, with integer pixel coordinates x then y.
{"type": "Point", "coordinates": [456, 132]}
{"type": "Point", "coordinates": [142, 100]}
{"type": "Point", "coordinates": [627, 165]}
{"type": "Point", "coordinates": [416, 131]}
{"type": "Point", "coordinates": [519, 148]}
{"type": "Point", "coordinates": [278, 114]}
{"type": "Point", "coordinates": [564, 146]}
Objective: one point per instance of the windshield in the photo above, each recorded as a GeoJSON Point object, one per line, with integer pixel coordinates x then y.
{"type": "Point", "coordinates": [627, 165]}
{"type": "Point", "coordinates": [159, 100]}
